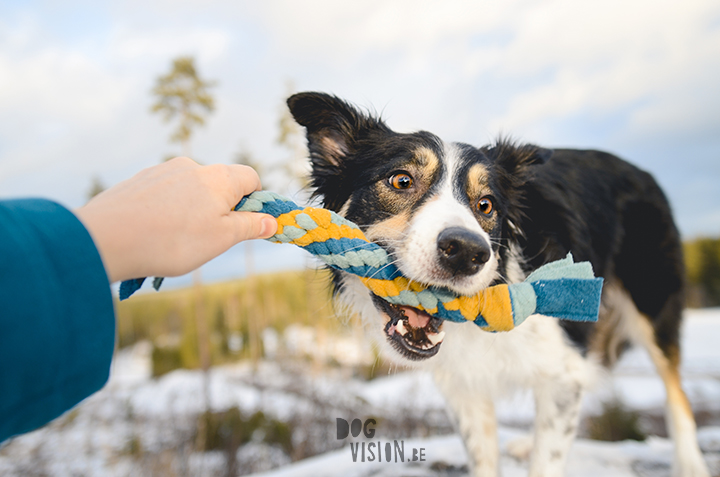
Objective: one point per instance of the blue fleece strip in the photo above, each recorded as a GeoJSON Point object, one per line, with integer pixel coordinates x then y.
{"type": "Point", "coordinates": [342, 245]}
{"type": "Point", "coordinates": [569, 298]}
{"type": "Point", "coordinates": [339, 246]}
{"type": "Point", "coordinates": [389, 272]}
{"type": "Point", "coordinates": [128, 287]}
{"type": "Point", "coordinates": [274, 208]}
{"type": "Point", "coordinates": [455, 315]}
{"type": "Point", "coordinates": [480, 321]}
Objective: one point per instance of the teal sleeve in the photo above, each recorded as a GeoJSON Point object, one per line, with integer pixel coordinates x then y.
{"type": "Point", "coordinates": [57, 323]}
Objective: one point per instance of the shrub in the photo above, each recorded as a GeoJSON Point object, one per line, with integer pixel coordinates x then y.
{"type": "Point", "coordinates": [616, 423]}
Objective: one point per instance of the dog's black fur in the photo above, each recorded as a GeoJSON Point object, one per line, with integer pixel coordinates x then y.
{"type": "Point", "coordinates": [615, 216]}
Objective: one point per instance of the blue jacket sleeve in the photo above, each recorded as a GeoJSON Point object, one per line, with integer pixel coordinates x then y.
{"type": "Point", "coordinates": [57, 323]}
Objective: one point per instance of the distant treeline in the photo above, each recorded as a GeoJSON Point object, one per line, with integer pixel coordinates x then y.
{"type": "Point", "coordinates": [702, 260]}
{"type": "Point", "coordinates": [236, 313]}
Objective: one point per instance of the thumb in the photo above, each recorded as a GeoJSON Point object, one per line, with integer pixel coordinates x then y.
{"type": "Point", "coordinates": [251, 225]}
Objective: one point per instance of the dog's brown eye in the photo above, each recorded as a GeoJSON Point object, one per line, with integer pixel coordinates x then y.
{"type": "Point", "coordinates": [485, 206]}
{"type": "Point", "coordinates": [401, 181]}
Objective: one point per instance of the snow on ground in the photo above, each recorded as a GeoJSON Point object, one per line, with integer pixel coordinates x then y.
{"type": "Point", "coordinates": [445, 455]}
{"type": "Point", "coordinates": [142, 426]}
{"type": "Point", "coordinates": [633, 382]}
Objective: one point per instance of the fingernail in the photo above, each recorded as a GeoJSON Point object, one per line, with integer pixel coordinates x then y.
{"type": "Point", "coordinates": [269, 226]}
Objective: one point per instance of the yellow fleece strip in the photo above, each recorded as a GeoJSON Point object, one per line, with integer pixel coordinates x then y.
{"type": "Point", "coordinates": [325, 230]}
{"type": "Point", "coordinates": [497, 309]}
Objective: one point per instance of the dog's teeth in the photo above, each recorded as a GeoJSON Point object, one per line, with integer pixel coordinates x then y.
{"type": "Point", "coordinates": [435, 338]}
{"type": "Point", "coordinates": [400, 327]}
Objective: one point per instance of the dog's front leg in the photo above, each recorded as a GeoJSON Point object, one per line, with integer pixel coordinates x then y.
{"type": "Point", "coordinates": [475, 418]}
{"type": "Point", "coordinates": [557, 409]}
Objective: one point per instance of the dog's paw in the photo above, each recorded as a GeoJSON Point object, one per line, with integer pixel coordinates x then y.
{"type": "Point", "coordinates": [520, 447]}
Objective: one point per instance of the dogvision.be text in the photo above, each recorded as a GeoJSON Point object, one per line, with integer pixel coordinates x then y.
{"type": "Point", "coordinates": [372, 451]}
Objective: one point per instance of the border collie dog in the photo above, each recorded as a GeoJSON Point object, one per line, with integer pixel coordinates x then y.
{"type": "Point", "coordinates": [466, 218]}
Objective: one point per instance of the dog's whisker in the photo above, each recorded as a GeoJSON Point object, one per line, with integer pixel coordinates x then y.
{"type": "Point", "coordinates": [379, 270]}
{"type": "Point", "coordinates": [540, 252]}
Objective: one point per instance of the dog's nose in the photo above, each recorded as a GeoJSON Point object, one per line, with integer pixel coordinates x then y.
{"type": "Point", "coordinates": [462, 251]}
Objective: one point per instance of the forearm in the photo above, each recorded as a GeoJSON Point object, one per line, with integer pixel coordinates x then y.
{"type": "Point", "coordinates": [57, 325]}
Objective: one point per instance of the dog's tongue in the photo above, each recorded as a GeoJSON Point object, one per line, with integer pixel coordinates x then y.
{"type": "Point", "coordinates": [416, 318]}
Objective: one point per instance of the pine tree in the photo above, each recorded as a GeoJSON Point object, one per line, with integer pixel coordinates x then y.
{"type": "Point", "coordinates": [183, 96]}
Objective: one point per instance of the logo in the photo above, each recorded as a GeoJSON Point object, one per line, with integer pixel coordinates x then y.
{"type": "Point", "coordinates": [375, 451]}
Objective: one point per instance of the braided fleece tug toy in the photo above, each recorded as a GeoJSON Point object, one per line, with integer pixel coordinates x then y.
{"type": "Point", "coordinates": [560, 289]}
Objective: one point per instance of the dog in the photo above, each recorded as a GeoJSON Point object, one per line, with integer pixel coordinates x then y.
{"type": "Point", "coordinates": [465, 218]}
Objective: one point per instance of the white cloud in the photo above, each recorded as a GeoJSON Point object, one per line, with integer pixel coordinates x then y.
{"type": "Point", "coordinates": [543, 60]}
{"type": "Point", "coordinates": [57, 83]}
{"type": "Point", "coordinates": [78, 105]}
{"type": "Point", "coordinates": [463, 69]}
{"type": "Point", "coordinates": [348, 32]}
{"type": "Point", "coordinates": [609, 56]}
{"type": "Point", "coordinates": [130, 44]}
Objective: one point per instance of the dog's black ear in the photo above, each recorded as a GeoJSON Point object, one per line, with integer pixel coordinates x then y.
{"type": "Point", "coordinates": [333, 126]}
{"type": "Point", "coordinates": [515, 160]}
{"type": "Point", "coordinates": [334, 129]}
{"type": "Point", "coordinates": [514, 165]}
{"type": "Point", "coordinates": [542, 155]}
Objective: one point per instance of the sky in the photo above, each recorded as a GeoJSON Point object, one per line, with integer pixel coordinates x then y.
{"type": "Point", "coordinates": [636, 78]}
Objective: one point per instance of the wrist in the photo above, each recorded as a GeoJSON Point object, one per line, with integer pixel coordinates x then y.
{"type": "Point", "coordinates": [105, 238]}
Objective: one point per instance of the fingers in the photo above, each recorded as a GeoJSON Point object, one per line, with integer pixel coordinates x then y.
{"type": "Point", "coordinates": [252, 225]}
{"type": "Point", "coordinates": [243, 181]}
{"type": "Point", "coordinates": [269, 227]}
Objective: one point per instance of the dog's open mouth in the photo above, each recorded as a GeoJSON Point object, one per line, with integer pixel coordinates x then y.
{"type": "Point", "coordinates": [413, 333]}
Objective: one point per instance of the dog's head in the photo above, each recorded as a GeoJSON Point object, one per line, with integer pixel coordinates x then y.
{"type": "Point", "coordinates": [444, 211]}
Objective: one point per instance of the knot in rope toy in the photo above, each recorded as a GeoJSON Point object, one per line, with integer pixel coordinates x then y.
{"type": "Point", "coordinates": [561, 289]}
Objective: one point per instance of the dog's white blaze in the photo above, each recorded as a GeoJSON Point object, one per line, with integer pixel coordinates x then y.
{"type": "Point", "coordinates": [418, 256]}
{"type": "Point", "coordinates": [513, 270]}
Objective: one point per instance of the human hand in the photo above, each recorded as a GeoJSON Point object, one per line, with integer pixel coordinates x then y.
{"type": "Point", "coordinates": [171, 218]}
